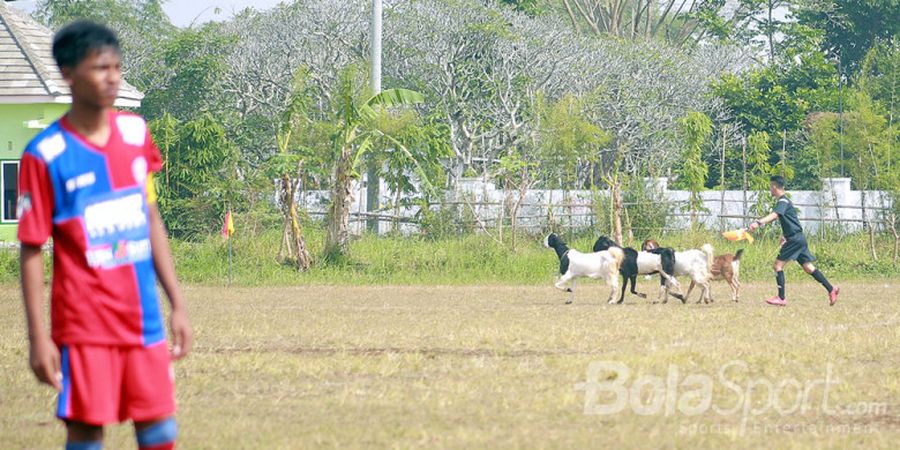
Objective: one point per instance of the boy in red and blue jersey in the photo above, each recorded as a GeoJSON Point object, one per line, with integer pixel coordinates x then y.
{"type": "Point", "coordinates": [87, 182]}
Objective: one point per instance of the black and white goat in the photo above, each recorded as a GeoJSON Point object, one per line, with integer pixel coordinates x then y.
{"type": "Point", "coordinates": [574, 264]}
{"type": "Point", "coordinates": [640, 263]}
{"type": "Point", "coordinates": [696, 264]}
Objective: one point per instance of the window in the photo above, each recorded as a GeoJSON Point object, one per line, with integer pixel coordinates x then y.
{"type": "Point", "coordinates": [9, 178]}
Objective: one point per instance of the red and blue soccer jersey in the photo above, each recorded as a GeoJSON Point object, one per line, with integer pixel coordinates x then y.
{"type": "Point", "coordinates": [93, 201]}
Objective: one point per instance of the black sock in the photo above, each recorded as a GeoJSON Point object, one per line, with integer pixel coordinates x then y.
{"type": "Point", "coordinates": [779, 278]}
{"type": "Point", "coordinates": [820, 277]}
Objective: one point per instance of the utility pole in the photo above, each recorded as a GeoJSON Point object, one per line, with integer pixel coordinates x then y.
{"type": "Point", "coordinates": [376, 46]}
{"type": "Point", "coordinates": [841, 109]}
{"type": "Point", "coordinates": [373, 184]}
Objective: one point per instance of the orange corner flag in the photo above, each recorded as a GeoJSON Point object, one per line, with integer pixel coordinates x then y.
{"type": "Point", "coordinates": [738, 235]}
{"type": "Point", "coordinates": [228, 226]}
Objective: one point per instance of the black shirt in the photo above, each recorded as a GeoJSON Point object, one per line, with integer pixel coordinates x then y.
{"type": "Point", "coordinates": [787, 216]}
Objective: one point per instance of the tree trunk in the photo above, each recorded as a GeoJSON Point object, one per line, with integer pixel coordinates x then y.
{"type": "Point", "coordinates": [513, 218]}
{"type": "Point", "coordinates": [617, 210]}
{"type": "Point", "coordinates": [693, 205]}
{"type": "Point", "coordinates": [872, 242]}
{"type": "Point", "coordinates": [396, 225]}
{"type": "Point", "coordinates": [893, 223]}
{"type": "Point", "coordinates": [338, 236]}
{"type": "Point", "coordinates": [867, 225]}
{"type": "Point", "coordinates": [303, 260]}
{"type": "Point", "coordinates": [501, 217]}
{"type": "Point", "coordinates": [285, 240]}
{"type": "Point", "coordinates": [293, 232]}
{"type": "Point", "coordinates": [514, 212]}
{"type": "Point", "coordinates": [284, 193]}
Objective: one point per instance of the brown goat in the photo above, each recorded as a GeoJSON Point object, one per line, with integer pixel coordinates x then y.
{"type": "Point", "coordinates": [649, 244]}
{"type": "Point", "coordinates": [728, 268]}
{"type": "Point", "coordinates": [725, 267]}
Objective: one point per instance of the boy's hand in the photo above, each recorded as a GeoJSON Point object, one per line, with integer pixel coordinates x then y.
{"type": "Point", "coordinates": [182, 336]}
{"type": "Point", "coordinates": [753, 226]}
{"type": "Point", "coordinates": [781, 243]}
{"type": "Point", "coordinates": [44, 360]}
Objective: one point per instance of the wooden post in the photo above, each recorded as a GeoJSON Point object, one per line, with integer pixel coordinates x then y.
{"type": "Point", "coordinates": [722, 180]}
{"type": "Point", "coordinates": [783, 152]}
{"type": "Point", "coordinates": [744, 164]}
{"type": "Point", "coordinates": [868, 226]}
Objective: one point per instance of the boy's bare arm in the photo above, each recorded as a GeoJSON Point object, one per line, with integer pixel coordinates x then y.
{"type": "Point", "coordinates": [763, 221]}
{"type": "Point", "coordinates": [43, 355]}
{"type": "Point", "coordinates": [179, 324]}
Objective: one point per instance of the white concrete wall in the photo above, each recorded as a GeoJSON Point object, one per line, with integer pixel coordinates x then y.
{"type": "Point", "coordinates": [541, 204]}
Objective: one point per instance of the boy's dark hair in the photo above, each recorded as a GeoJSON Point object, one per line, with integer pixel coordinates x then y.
{"type": "Point", "coordinates": [77, 40]}
{"type": "Point", "coordinates": [778, 181]}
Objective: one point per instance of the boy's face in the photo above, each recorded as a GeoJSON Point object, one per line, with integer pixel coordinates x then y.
{"type": "Point", "coordinates": [774, 190]}
{"type": "Point", "coordinates": [95, 80]}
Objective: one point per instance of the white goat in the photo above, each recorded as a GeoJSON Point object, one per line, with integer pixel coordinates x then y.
{"type": "Point", "coordinates": [697, 265]}
{"type": "Point", "coordinates": [637, 263]}
{"type": "Point", "coordinates": [598, 265]}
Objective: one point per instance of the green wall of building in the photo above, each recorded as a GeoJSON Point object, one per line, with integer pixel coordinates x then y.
{"type": "Point", "coordinates": [18, 124]}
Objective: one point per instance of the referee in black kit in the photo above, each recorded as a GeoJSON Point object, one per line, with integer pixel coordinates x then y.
{"type": "Point", "coordinates": [793, 244]}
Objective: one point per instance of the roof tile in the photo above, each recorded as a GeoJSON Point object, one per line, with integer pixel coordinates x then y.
{"type": "Point", "coordinates": [25, 48]}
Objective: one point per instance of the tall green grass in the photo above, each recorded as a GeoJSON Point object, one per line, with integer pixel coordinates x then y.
{"type": "Point", "coordinates": [479, 259]}
{"type": "Point", "coordinates": [469, 259]}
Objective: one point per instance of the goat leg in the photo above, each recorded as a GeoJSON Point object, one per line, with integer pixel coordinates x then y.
{"type": "Point", "coordinates": [572, 290]}
{"type": "Point", "coordinates": [670, 281]}
{"type": "Point", "coordinates": [733, 290]}
{"type": "Point", "coordinates": [614, 283]}
{"type": "Point", "coordinates": [561, 283]}
{"type": "Point", "coordinates": [634, 285]}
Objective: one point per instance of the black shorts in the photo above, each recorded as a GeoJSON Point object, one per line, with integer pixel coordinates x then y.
{"type": "Point", "coordinates": [796, 248]}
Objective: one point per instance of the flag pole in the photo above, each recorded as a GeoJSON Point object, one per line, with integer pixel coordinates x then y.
{"type": "Point", "coordinates": [226, 232]}
{"type": "Point", "coordinates": [230, 265]}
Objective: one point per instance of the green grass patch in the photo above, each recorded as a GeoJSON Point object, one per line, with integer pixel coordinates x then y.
{"type": "Point", "coordinates": [469, 259]}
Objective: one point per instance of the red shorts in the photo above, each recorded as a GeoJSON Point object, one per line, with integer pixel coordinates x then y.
{"type": "Point", "coordinates": [109, 384]}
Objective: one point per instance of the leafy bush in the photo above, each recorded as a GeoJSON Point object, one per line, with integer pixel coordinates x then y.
{"type": "Point", "coordinates": [647, 209]}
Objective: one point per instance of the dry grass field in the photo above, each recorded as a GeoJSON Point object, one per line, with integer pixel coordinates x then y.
{"type": "Point", "coordinates": [508, 367]}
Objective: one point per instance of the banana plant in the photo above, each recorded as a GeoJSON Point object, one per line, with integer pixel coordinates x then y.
{"type": "Point", "coordinates": [357, 136]}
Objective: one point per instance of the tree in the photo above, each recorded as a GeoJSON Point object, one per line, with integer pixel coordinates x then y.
{"type": "Point", "coordinates": [532, 7]}
{"type": "Point", "coordinates": [355, 137]}
{"type": "Point", "coordinates": [517, 174]}
{"type": "Point", "coordinates": [287, 167]}
{"type": "Point", "coordinates": [484, 71]}
{"type": "Point", "coordinates": [779, 98]}
{"type": "Point", "coordinates": [199, 179]}
{"type": "Point", "coordinates": [851, 27]}
{"type": "Point", "coordinates": [449, 49]}
{"type": "Point", "coordinates": [760, 170]}
{"type": "Point", "coordinates": [879, 76]}
{"type": "Point", "coordinates": [676, 22]}
{"type": "Point", "coordinates": [427, 143]}
{"type": "Point", "coordinates": [322, 37]}
{"type": "Point", "coordinates": [567, 140]}
{"type": "Point", "coordinates": [695, 128]}
{"type": "Point", "coordinates": [191, 74]}
{"type": "Point", "coordinates": [142, 26]}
